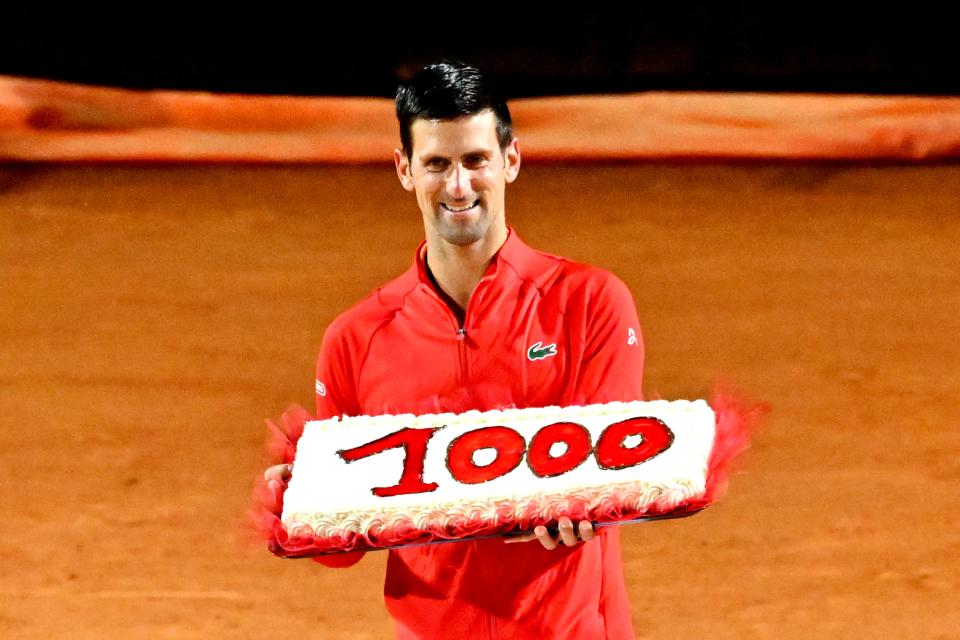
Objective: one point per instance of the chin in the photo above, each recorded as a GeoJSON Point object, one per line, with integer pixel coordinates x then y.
{"type": "Point", "coordinates": [463, 234]}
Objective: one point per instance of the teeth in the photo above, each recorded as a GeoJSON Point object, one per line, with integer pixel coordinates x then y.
{"type": "Point", "coordinates": [459, 209]}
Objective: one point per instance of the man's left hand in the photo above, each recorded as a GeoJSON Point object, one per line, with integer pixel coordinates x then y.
{"type": "Point", "coordinates": [566, 534]}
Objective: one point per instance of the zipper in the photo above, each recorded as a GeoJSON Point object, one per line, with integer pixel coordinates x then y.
{"type": "Point", "coordinates": [472, 302]}
{"type": "Point", "coordinates": [463, 373]}
{"type": "Point", "coordinates": [461, 331]}
{"type": "Point", "coordinates": [461, 344]}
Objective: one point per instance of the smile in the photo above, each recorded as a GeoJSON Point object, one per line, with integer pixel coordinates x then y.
{"type": "Point", "coordinates": [462, 209]}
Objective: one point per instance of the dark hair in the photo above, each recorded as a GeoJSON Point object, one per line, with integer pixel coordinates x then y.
{"type": "Point", "coordinates": [445, 91]}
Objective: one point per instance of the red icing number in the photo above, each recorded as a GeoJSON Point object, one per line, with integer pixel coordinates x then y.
{"type": "Point", "coordinates": [507, 443]}
{"type": "Point", "coordinates": [574, 435]}
{"type": "Point", "coordinates": [414, 441]}
{"type": "Point", "coordinates": [611, 454]}
{"type": "Point", "coordinates": [612, 451]}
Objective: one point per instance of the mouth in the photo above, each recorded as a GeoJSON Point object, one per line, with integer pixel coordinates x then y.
{"type": "Point", "coordinates": [461, 209]}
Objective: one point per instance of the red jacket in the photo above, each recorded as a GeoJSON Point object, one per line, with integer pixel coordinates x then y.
{"type": "Point", "coordinates": [402, 350]}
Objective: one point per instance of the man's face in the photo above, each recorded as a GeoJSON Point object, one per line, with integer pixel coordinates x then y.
{"type": "Point", "coordinates": [459, 175]}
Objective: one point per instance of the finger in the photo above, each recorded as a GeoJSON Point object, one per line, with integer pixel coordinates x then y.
{"type": "Point", "coordinates": [567, 535]}
{"type": "Point", "coordinates": [587, 532]}
{"type": "Point", "coordinates": [545, 538]}
{"type": "Point", "coordinates": [278, 472]}
{"type": "Point", "coordinates": [526, 537]}
{"type": "Point", "coordinates": [271, 474]}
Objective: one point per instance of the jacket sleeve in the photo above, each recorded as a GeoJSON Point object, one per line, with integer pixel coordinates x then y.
{"type": "Point", "coordinates": [335, 389]}
{"type": "Point", "coordinates": [612, 364]}
{"type": "Point", "coordinates": [335, 386]}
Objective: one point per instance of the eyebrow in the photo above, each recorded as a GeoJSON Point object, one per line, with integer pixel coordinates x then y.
{"type": "Point", "coordinates": [436, 156]}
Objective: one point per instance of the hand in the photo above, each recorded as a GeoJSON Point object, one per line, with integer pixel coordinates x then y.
{"type": "Point", "coordinates": [566, 534]}
{"type": "Point", "coordinates": [278, 473]}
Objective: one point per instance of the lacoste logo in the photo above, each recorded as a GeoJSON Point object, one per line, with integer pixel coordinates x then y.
{"type": "Point", "coordinates": [538, 352]}
{"type": "Point", "coordinates": [321, 388]}
{"type": "Point", "coordinates": [631, 337]}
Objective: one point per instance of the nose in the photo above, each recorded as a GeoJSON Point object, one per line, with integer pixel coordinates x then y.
{"type": "Point", "coordinates": [458, 181]}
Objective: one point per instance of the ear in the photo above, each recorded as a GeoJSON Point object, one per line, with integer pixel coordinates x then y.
{"type": "Point", "coordinates": [511, 160]}
{"type": "Point", "coordinates": [403, 169]}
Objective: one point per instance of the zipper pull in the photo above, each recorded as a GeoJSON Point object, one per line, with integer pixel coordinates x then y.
{"type": "Point", "coordinates": [461, 333]}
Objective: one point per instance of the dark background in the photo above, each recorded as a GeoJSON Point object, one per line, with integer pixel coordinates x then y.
{"type": "Point", "coordinates": [272, 49]}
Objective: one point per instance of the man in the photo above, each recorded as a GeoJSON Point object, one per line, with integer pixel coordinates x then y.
{"type": "Point", "coordinates": [482, 321]}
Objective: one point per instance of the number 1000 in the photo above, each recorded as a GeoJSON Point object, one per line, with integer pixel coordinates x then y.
{"type": "Point", "coordinates": [621, 445]}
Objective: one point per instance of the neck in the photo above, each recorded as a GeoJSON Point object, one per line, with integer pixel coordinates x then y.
{"type": "Point", "coordinates": [458, 269]}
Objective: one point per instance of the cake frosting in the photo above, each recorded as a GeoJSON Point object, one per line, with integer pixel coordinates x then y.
{"type": "Point", "coordinates": [368, 482]}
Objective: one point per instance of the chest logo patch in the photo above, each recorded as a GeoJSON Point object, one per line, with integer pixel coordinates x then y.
{"type": "Point", "coordinates": [538, 352]}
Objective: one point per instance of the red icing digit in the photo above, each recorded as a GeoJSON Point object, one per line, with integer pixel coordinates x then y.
{"type": "Point", "coordinates": [508, 444]}
{"type": "Point", "coordinates": [414, 442]}
{"type": "Point", "coordinates": [611, 454]}
{"type": "Point", "coordinates": [577, 439]}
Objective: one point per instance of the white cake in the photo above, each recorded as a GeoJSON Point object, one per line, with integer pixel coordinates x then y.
{"type": "Point", "coordinates": [369, 482]}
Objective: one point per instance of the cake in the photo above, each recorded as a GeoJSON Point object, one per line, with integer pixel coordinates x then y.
{"type": "Point", "coordinates": [365, 482]}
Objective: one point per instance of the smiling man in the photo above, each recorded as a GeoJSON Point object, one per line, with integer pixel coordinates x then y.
{"type": "Point", "coordinates": [482, 321]}
{"type": "Point", "coordinates": [459, 174]}
{"type": "Point", "coordinates": [459, 169]}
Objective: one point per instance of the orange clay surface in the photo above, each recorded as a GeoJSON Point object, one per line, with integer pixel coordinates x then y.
{"type": "Point", "coordinates": [153, 316]}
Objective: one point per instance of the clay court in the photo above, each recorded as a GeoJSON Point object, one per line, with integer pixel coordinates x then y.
{"type": "Point", "coordinates": [155, 315]}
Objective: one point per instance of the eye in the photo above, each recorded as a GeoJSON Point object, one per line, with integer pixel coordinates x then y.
{"type": "Point", "coordinates": [435, 164]}
{"type": "Point", "coordinates": [476, 161]}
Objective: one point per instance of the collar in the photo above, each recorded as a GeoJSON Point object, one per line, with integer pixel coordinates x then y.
{"type": "Point", "coordinates": [528, 264]}
{"type": "Point", "coordinates": [513, 252]}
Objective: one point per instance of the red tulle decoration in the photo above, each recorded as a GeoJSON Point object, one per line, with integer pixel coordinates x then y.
{"type": "Point", "coordinates": [737, 419]}
{"type": "Point", "coordinates": [267, 498]}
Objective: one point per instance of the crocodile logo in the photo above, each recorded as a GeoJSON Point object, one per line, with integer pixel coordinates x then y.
{"type": "Point", "coordinates": [538, 352]}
